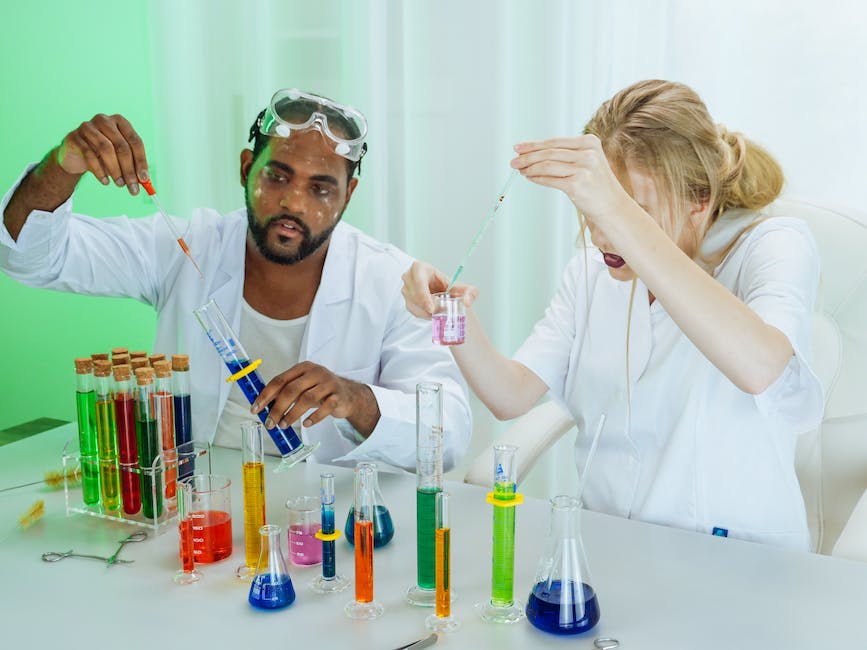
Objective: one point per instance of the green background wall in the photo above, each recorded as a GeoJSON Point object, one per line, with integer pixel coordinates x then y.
{"type": "Point", "coordinates": [61, 63]}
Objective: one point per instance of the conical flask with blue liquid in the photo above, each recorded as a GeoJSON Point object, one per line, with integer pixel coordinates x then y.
{"type": "Point", "coordinates": [272, 587]}
{"type": "Point", "coordinates": [563, 600]}
{"type": "Point", "coordinates": [383, 526]}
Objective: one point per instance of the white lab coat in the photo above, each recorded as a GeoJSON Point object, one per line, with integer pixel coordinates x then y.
{"type": "Point", "coordinates": [694, 451]}
{"type": "Point", "coordinates": [358, 326]}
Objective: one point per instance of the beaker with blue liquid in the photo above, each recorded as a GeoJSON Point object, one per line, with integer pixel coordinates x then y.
{"type": "Point", "coordinates": [563, 600]}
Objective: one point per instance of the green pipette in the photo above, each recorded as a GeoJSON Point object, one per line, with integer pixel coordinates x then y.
{"type": "Point", "coordinates": [482, 229]}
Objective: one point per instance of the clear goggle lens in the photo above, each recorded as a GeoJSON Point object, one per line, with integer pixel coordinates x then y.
{"type": "Point", "coordinates": [293, 110]}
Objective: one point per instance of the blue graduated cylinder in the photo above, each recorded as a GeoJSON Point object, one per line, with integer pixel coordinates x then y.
{"type": "Point", "coordinates": [251, 385]}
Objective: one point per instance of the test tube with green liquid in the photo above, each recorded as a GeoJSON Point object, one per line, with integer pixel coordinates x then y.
{"type": "Point", "coordinates": [85, 406]}
{"type": "Point", "coordinates": [502, 607]}
{"type": "Point", "coordinates": [148, 440]}
{"type": "Point", "coordinates": [429, 483]}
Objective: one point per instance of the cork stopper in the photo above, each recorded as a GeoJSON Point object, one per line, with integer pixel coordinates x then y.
{"type": "Point", "coordinates": [122, 372]}
{"type": "Point", "coordinates": [97, 356]}
{"type": "Point", "coordinates": [83, 366]}
{"type": "Point", "coordinates": [180, 362]}
{"type": "Point", "coordinates": [102, 368]}
{"type": "Point", "coordinates": [116, 352]}
{"type": "Point", "coordinates": [162, 368]}
{"type": "Point", "coordinates": [144, 376]}
{"type": "Point", "coordinates": [120, 359]}
{"type": "Point", "coordinates": [156, 357]}
{"type": "Point", "coordinates": [138, 353]}
{"type": "Point", "coordinates": [138, 362]}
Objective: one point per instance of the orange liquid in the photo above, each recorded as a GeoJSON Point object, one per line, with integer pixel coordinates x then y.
{"type": "Point", "coordinates": [165, 411]}
{"type": "Point", "coordinates": [185, 530]}
{"type": "Point", "coordinates": [212, 535]}
{"type": "Point", "coordinates": [364, 561]}
{"type": "Point", "coordinates": [443, 573]}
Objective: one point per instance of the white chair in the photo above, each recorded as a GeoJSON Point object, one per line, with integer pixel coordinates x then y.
{"type": "Point", "coordinates": [832, 461]}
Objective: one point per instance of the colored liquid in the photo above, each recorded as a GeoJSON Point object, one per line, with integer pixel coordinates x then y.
{"type": "Point", "coordinates": [364, 561]}
{"type": "Point", "coordinates": [502, 590]}
{"type": "Point", "coordinates": [106, 440]}
{"type": "Point", "coordinates": [443, 569]}
{"type": "Point", "coordinates": [329, 569]}
{"type": "Point", "coordinates": [127, 453]}
{"type": "Point", "coordinates": [86, 411]}
{"type": "Point", "coordinates": [254, 510]}
{"type": "Point", "coordinates": [448, 331]}
{"type": "Point", "coordinates": [251, 385]}
{"type": "Point", "coordinates": [184, 436]}
{"type": "Point", "coordinates": [212, 535]}
{"type": "Point", "coordinates": [383, 527]}
{"type": "Point", "coordinates": [553, 611]}
{"type": "Point", "coordinates": [148, 450]}
{"type": "Point", "coordinates": [425, 516]}
{"type": "Point", "coordinates": [271, 592]}
{"type": "Point", "coordinates": [185, 531]}
{"type": "Point", "coordinates": [165, 417]}
{"type": "Point", "coordinates": [304, 548]}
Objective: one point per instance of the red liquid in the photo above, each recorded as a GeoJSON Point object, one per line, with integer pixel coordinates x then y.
{"type": "Point", "coordinates": [212, 535]}
{"type": "Point", "coordinates": [130, 489]}
{"type": "Point", "coordinates": [127, 453]}
{"type": "Point", "coordinates": [185, 530]}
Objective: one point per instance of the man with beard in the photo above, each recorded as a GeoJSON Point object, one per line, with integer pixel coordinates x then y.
{"type": "Point", "coordinates": [314, 298]}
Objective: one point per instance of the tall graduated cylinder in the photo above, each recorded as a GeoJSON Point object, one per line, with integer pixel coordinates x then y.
{"type": "Point", "coordinates": [242, 370]}
{"type": "Point", "coordinates": [364, 606]}
{"type": "Point", "coordinates": [253, 471]}
{"type": "Point", "coordinates": [429, 483]}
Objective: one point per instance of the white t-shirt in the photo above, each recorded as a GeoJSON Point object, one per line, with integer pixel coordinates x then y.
{"type": "Point", "coordinates": [693, 451]}
{"type": "Point", "coordinates": [277, 343]}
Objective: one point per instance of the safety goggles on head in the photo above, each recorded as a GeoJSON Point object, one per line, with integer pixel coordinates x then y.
{"type": "Point", "coordinates": [293, 110]}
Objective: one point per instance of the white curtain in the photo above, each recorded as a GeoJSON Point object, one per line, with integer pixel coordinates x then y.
{"type": "Point", "coordinates": [449, 86]}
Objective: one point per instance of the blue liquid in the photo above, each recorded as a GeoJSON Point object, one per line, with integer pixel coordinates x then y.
{"type": "Point", "coordinates": [251, 385]}
{"type": "Point", "coordinates": [328, 560]}
{"type": "Point", "coordinates": [547, 610]}
{"type": "Point", "coordinates": [383, 528]}
{"type": "Point", "coordinates": [184, 436]}
{"type": "Point", "coordinates": [271, 592]}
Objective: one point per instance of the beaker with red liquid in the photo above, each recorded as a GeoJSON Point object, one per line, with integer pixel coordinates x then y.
{"type": "Point", "coordinates": [211, 517]}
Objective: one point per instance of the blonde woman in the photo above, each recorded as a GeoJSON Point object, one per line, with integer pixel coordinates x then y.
{"type": "Point", "coordinates": [687, 322]}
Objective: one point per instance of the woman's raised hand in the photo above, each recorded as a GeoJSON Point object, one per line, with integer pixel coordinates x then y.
{"type": "Point", "coordinates": [422, 280]}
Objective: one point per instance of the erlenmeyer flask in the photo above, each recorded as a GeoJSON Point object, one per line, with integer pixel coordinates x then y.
{"type": "Point", "coordinates": [383, 527]}
{"type": "Point", "coordinates": [563, 600]}
{"type": "Point", "coordinates": [272, 586]}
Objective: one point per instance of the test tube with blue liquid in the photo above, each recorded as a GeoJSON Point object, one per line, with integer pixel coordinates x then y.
{"type": "Point", "coordinates": [329, 581]}
{"type": "Point", "coordinates": [243, 371]}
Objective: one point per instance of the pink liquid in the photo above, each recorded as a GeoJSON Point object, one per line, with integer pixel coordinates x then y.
{"type": "Point", "coordinates": [304, 548]}
{"type": "Point", "coordinates": [448, 330]}
{"type": "Point", "coordinates": [212, 535]}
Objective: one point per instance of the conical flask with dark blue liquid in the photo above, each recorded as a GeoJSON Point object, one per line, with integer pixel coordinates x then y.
{"type": "Point", "coordinates": [383, 527]}
{"type": "Point", "coordinates": [563, 600]}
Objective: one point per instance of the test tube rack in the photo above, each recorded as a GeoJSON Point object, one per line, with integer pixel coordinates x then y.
{"type": "Point", "coordinates": [159, 523]}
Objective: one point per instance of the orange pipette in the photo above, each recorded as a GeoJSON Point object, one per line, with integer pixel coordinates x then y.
{"type": "Point", "coordinates": [153, 194]}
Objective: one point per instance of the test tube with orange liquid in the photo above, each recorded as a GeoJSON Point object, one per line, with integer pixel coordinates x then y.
{"type": "Point", "coordinates": [364, 606]}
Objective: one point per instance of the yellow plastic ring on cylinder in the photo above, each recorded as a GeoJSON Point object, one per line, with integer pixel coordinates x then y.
{"type": "Point", "coordinates": [327, 537]}
{"type": "Point", "coordinates": [243, 372]}
{"type": "Point", "coordinates": [517, 500]}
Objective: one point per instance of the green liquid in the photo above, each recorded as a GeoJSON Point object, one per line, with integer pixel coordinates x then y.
{"type": "Point", "coordinates": [426, 526]}
{"type": "Point", "coordinates": [106, 438]}
{"type": "Point", "coordinates": [148, 449]}
{"type": "Point", "coordinates": [86, 410]}
{"type": "Point", "coordinates": [502, 575]}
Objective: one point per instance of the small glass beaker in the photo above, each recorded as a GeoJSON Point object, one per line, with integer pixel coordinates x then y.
{"type": "Point", "coordinates": [305, 521]}
{"type": "Point", "coordinates": [563, 600]}
{"type": "Point", "coordinates": [271, 587]}
{"type": "Point", "coordinates": [383, 526]}
{"type": "Point", "coordinates": [211, 514]}
{"type": "Point", "coordinates": [448, 320]}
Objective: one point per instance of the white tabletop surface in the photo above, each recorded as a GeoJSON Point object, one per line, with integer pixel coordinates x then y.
{"type": "Point", "coordinates": [657, 587]}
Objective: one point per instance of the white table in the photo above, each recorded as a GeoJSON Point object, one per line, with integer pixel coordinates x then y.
{"type": "Point", "coordinates": [657, 587]}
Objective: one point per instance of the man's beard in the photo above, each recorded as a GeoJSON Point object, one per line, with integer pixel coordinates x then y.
{"type": "Point", "coordinates": [308, 245]}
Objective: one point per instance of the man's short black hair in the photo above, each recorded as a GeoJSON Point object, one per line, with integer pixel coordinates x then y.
{"type": "Point", "coordinates": [260, 140]}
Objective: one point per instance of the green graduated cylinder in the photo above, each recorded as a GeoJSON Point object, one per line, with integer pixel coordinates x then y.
{"type": "Point", "coordinates": [502, 576]}
{"type": "Point", "coordinates": [425, 509]}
